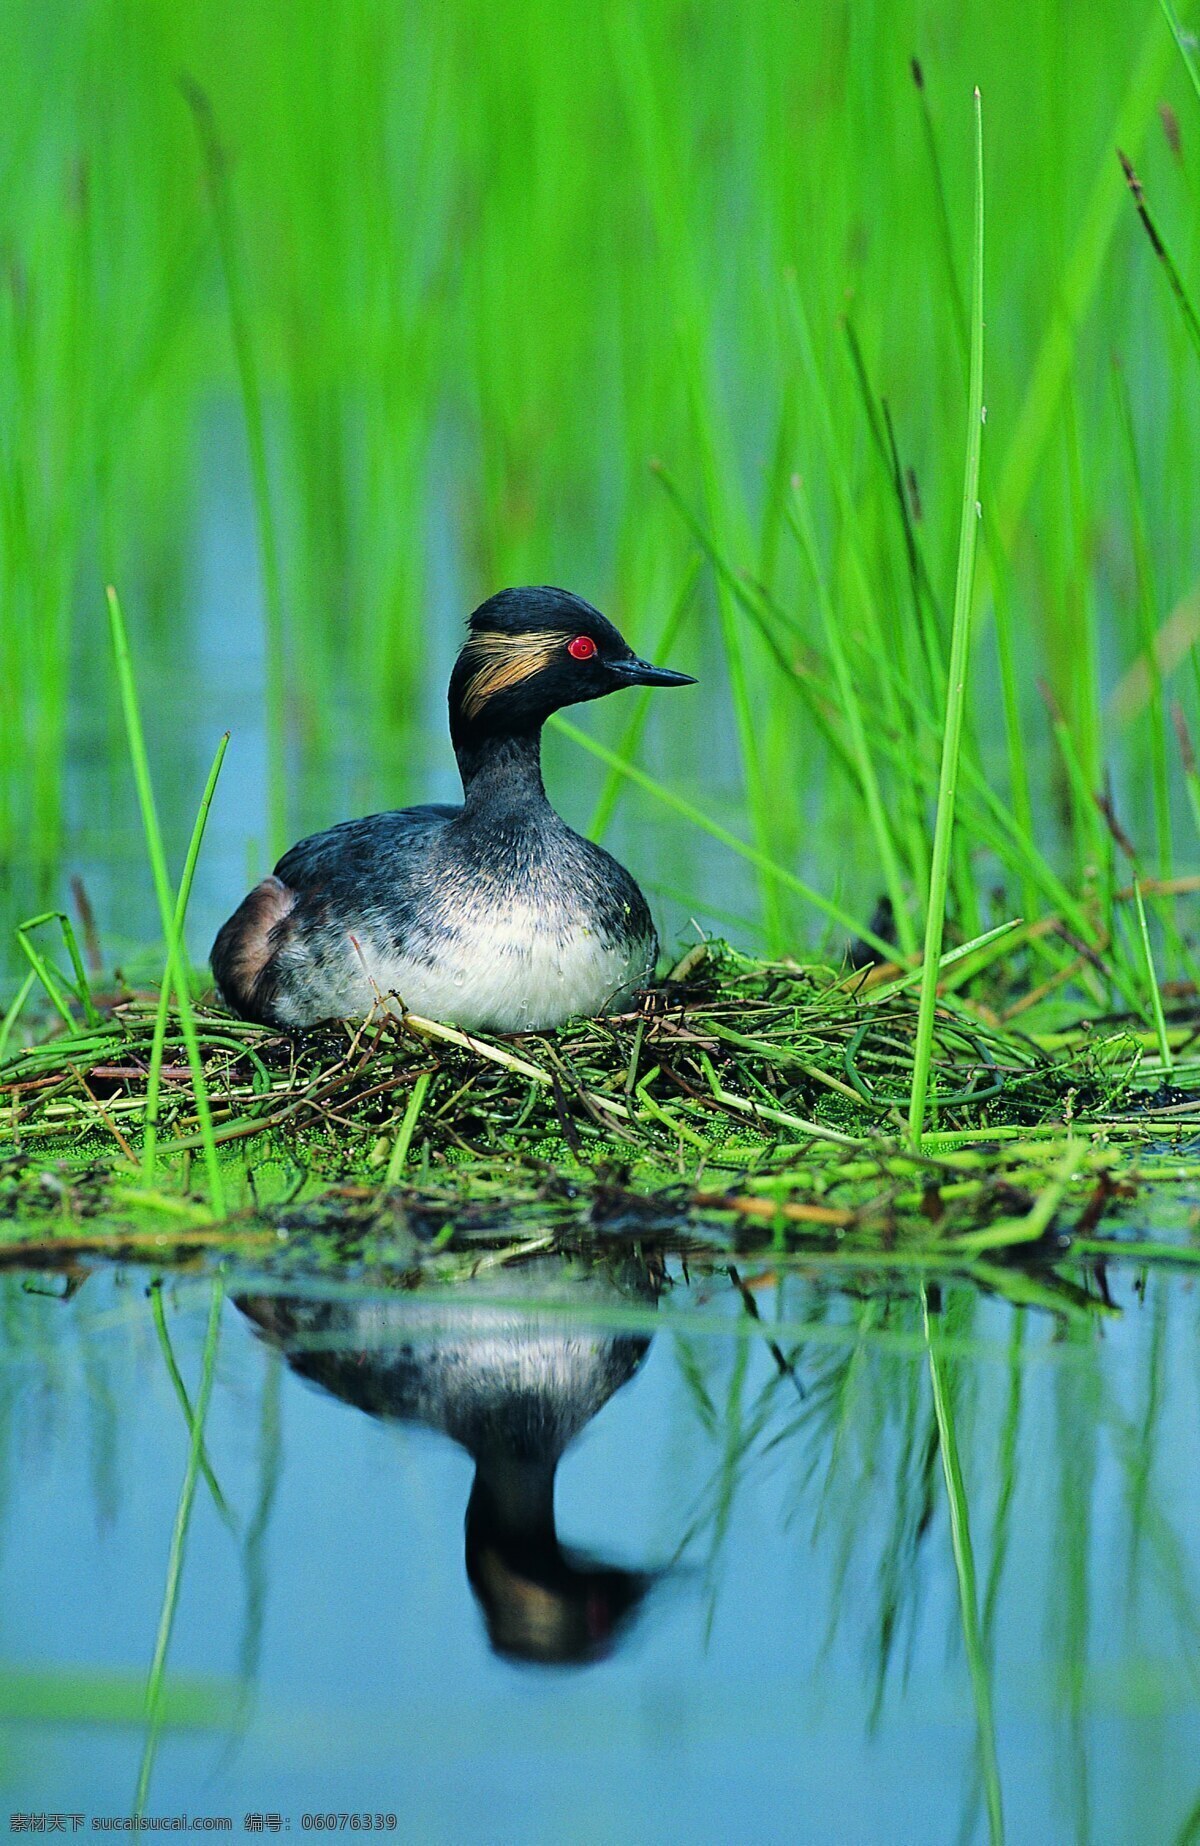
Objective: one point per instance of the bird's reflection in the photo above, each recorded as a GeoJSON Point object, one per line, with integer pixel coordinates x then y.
{"type": "Point", "coordinates": [506, 1372]}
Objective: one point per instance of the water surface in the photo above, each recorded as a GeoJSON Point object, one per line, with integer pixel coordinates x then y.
{"type": "Point", "coordinates": [603, 1553]}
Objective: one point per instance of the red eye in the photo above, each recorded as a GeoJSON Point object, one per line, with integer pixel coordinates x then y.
{"type": "Point", "coordinates": [581, 648]}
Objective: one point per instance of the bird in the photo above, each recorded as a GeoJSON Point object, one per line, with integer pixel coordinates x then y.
{"type": "Point", "coordinates": [502, 1371]}
{"type": "Point", "coordinates": [492, 915]}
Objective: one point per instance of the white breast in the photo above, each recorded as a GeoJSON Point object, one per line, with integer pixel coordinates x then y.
{"type": "Point", "coordinates": [504, 970]}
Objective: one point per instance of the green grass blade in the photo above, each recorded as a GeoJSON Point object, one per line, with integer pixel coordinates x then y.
{"type": "Point", "coordinates": [1080, 280]}
{"type": "Point", "coordinates": [959, 659]}
{"type": "Point", "coordinates": [1156, 1005]}
{"type": "Point", "coordinates": [689, 812]}
{"type": "Point", "coordinates": [1184, 44]}
{"type": "Point", "coordinates": [14, 1010]}
{"type": "Point", "coordinates": [1166, 261]}
{"type": "Point", "coordinates": [44, 973]}
{"type": "Point", "coordinates": [852, 709]}
{"type": "Point", "coordinates": [154, 1077]}
{"type": "Point", "coordinates": [628, 34]}
{"type": "Point", "coordinates": [408, 1125]}
{"type": "Point", "coordinates": [873, 626]}
{"type": "Point", "coordinates": [945, 229]}
{"type": "Point", "coordinates": [631, 737]}
{"type": "Point", "coordinates": [177, 964]}
{"type": "Point", "coordinates": [252, 409]}
{"type": "Point", "coordinates": [41, 967]}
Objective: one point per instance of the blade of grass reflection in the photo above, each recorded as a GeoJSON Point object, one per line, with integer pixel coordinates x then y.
{"type": "Point", "coordinates": [843, 1400]}
{"type": "Point", "coordinates": [1143, 1449]}
{"type": "Point", "coordinates": [1077, 1407]}
{"type": "Point", "coordinates": [737, 1434]}
{"type": "Point", "coordinates": [734, 1446]}
{"type": "Point", "coordinates": [254, 1545]}
{"type": "Point", "coordinates": [103, 1415]}
{"type": "Point", "coordinates": [1164, 1544]}
{"type": "Point", "coordinates": [839, 1390]}
{"type": "Point", "coordinates": [181, 1392]}
{"type": "Point", "coordinates": [106, 1697]}
{"type": "Point", "coordinates": [1189, 1832]}
{"type": "Point", "coordinates": [691, 1370]}
{"type": "Point", "coordinates": [1006, 1473]}
{"type": "Point", "coordinates": [899, 1580]}
{"type": "Point", "coordinates": [964, 1566]}
{"type": "Point", "coordinates": [154, 1685]}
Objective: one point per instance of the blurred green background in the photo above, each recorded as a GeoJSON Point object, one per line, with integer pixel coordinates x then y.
{"type": "Point", "coordinates": [318, 325]}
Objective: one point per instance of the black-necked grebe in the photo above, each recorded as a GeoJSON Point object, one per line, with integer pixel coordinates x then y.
{"type": "Point", "coordinates": [495, 914]}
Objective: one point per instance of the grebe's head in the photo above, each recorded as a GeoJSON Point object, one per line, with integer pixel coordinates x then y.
{"type": "Point", "coordinates": [531, 651]}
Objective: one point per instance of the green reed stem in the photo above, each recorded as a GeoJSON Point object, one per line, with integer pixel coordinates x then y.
{"type": "Point", "coordinates": [1166, 261]}
{"type": "Point", "coordinates": [945, 229]}
{"type": "Point", "coordinates": [408, 1125]}
{"type": "Point", "coordinates": [856, 723]}
{"type": "Point", "coordinates": [698, 818]}
{"type": "Point", "coordinates": [1146, 599]}
{"type": "Point", "coordinates": [154, 1077]}
{"type": "Point", "coordinates": [1080, 280]}
{"type": "Point", "coordinates": [43, 972]}
{"type": "Point", "coordinates": [177, 965]}
{"type": "Point", "coordinates": [183, 1515]}
{"type": "Point", "coordinates": [1156, 1005]}
{"type": "Point", "coordinates": [256, 443]}
{"type": "Point", "coordinates": [606, 801]}
{"type": "Point", "coordinates": [14, 1012]}
{"type": "Point", "coordinates": [964, 1566]}
{"type": "Point", "coordinates": [908, 819]}
{"type": "Point", "coordinates": [41, 967]}
{"type": "Point", "coordinates": [956, 690]}
{"type": "Point", "coordinates": [1191, 775]}
{"type": "Point", "coordinates": [1184, 43]}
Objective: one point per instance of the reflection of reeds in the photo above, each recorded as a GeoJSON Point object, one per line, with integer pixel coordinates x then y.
{"type": "Point", "coordinates": [964, 1570]}
{"type": "Point", "coordinates": [1048, 1491]}
{"type": "Point", "coordinates": [155, 1683]}
{"type": "Point", "coordinates": [1065, 1445]}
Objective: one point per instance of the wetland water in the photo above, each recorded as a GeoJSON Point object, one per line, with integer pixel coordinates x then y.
{"type": "Point", "coordinates": [731, 1612]}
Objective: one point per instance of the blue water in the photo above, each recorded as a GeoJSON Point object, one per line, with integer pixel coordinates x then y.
{"type": "Point", "coordinates": [775, 1525]}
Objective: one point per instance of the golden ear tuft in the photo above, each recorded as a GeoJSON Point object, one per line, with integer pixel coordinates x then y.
{"type": "Point", "coordinates": [504, 661]}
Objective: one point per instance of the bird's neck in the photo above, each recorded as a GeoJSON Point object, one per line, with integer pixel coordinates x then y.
{"type": "Point", "coordinates": [514, 1499]}
{"type": "Point", "coordinates": [501, 772]}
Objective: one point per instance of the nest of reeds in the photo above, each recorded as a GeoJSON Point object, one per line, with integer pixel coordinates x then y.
{"type": "Point", "coordinates": [766, 1093]}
